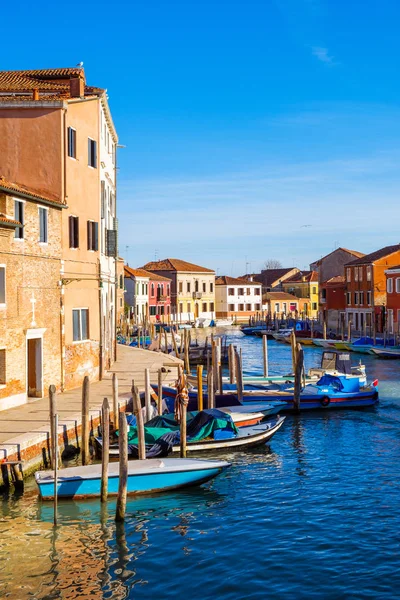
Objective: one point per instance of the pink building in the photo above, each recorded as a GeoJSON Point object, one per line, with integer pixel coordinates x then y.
{"type": "Point", "coordinates": [159, 297]}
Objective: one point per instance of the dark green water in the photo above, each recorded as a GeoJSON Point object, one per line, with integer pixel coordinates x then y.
{"type": "Point", "coordinates": [314, 515]}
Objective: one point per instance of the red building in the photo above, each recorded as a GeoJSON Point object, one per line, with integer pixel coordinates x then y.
{"type": "Point", "coordinates": [159, 297]}
{"type": "Point", "coordinates": [393, 299]}
{"type": "Point", "coordinates": [333, 301]}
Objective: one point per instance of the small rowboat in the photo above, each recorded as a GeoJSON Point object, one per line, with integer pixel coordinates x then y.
{"type": "Point", "coordinates": [386, 352]}
{"type": "Point", "coordinates": [144, 477]}
{"type": "Point", "coordinates": [246, 437]}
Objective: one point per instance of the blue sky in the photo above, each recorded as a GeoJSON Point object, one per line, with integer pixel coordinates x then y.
{"type": "Point", "coordinates": [242, 121]}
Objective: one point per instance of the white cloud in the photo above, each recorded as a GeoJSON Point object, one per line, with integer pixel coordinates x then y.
{"type": "Point", "coordinates": [322, 55]}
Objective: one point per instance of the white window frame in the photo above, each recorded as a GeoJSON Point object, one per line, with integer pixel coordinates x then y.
{"type": "Point", "coordinates": [389, 285]}
{"type": "Point", "coordinates": [369, 298]}
{"type": "Point", "coordinates": [80, 308]}
{"type": "Point", "coordinates": [47, 225]}
{"type": "Point", "coordinates": [369, 272]}
{"type": "Point", "coordinates": [348, 274]}
{"type": "Point", "coordinates": [4, 304]}
{"type": "Point", "coordinates": [397, 285]}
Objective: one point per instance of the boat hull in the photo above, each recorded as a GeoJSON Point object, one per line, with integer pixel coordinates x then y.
{"type": "Point", "coordinates": [178, 474]}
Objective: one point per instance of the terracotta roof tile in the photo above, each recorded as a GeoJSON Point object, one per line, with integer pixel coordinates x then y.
{"type": "Point", "coordinates": [136, 272]}
{"type": "Point", "coordinates": [17, 188]}
{"type": "Point", "coordinates": [336, 279]}
{"type": "Point", "coordinates": [7, 222]}
{"type": "Point", "coordinates": [308, 276]}
{"type": "Point", "coordinates": [226, 280]}
{"type": "Point", "coordinates": [175, 264]}
{"type": "Point", "coordinates": [279, 296]}
{"type": "Point", "coordinates": [370, 258]}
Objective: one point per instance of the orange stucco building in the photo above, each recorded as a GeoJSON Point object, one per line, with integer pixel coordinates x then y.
{"type": "Point", "coordinates": [57, 138]}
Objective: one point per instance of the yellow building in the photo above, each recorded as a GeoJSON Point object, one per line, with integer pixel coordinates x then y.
{"type": "Point", "coordinates": [304, 285]}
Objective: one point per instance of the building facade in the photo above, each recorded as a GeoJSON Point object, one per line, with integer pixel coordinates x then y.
{"type": "Point", "coordinates": [159, 297]}
{"type": "Point", "coordinates": [192, 288]}
{"type": "Point", "coordinates": [366, 289]}
{"type": "Point", "coordinates": [304, 285]}
{"type": "Point", "coordinates": [333, 293]}
{"type": "Point", "coordinates": [393, 299]}
{"type": "Point", "coordinates": [237, 299]}
{"type": "Point", "coordinates": [51, 142]}
{"type": "Point", "coordinates": [281, 305]}
{"type": "Point", "coordinates": [30, 319]}
{"type": "Point", "coordinates": [137, 294]}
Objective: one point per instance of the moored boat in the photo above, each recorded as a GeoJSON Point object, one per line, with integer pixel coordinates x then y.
{"type": "Point", "coordinates": [144, 476]}
{"type": "Point", "coordinates": [386, 352]}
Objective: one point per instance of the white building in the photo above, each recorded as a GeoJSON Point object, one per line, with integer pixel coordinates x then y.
{"type": "Point", "coordinates": [237, 298]}
{"type": "Point", "coordinates": [137, 293]}
{"type": "Point", "coordinates": [108, 231]}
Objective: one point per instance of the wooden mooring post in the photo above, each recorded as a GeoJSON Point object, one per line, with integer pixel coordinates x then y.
{"type": "Point", "coordinates": [265, 355]}
{"type": "Point", "coordinates": [137, 411]}
{"type": "Point", "coordinates": [115, 399]}
{"type": "Point", "coordinates": [183, 430]}
{"type": "Point", "coordinates": [239, 376]}
{"type": "Point", "coordinates": [199, 387]}
{"type": "Point", "coordinates": [349, 331]}
{"type": "Point", "coordinates": [210, 389]}
{"type": "Point", "coordinates": [105, 431]}
{"type": "Point", "coordinates": [53, 410]}
{"type": "Point", "coordinates": [85, 420]}
{"type": "Point", "coordinates": [298, 374]}
{"type": "Point", "coordinates": [147, 393]}
{"type": "Point", "coordinates": [123, 468]}
{"type": "Point", "coordinates": [55, 454]}
{"type": "Point", "coordinates": [159, 399]}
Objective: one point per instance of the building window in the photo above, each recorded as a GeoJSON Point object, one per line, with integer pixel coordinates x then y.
{"type": "Point", "coordinates": [153, 311]}
{"type": "Point", "coordinates": [168, 293]}
{"type": "Point", "coordinates": [241, 307]}
{"type": "Point", "coordinates": [43, 225]}
{"type": "Point", "coordinates": [121, 282]}
{"type": "Point", "coordinates": [276, 307]}
{"type": "Point", "coordinates": [231, 291]}
{"type": "Point", "coordinates": [152, 290]}
{"type": "Point", "coordinates": [389, 286]}
{"type": "Point", "coordinates": [241, 291]}
{"type": "Point", "coordinates": [204, 306]}
{"type": "Point", "coordinates": [257, 307]}
{"type": "Point", "coordinates": [348, 274]}
{"type": "Point", "coordinates": [397, 285]}
{"type": "Point", "coordinates": [231, 308]}
{"type": "Point", "coordinates": [355, 274]}
{"type": "Point", "coordinates": [257, 291]}
{"type": "Point", "coordinates": [196, 286]}
{"type": "Point", "coordinates": [181, 307]}
{"type": "Point", "coordinates": [348, 299]}
{"type": "Point", "coordinates": [71, 142]}
{"type": "Point", "coordinates": [356, 298]}
{"type": "Point", "coordinates": [369, 298]}
{"type": "Point", "coordinates": [93, 235]}
{"type": "Point", "coordinates": [284, 307]}
{"type": "Point", "coordinates": [211, 287]}
{"type": "Point", "coordinates": [2, 285]}
{"type": "Point", "coordinates": [361, 298]}
{"type": "Point", "coordinates": [19, 216]}
{"type": "Point", "coordinates": [103, 199]}
{"type": "Point", "coordinates": [314, 290]}
{"type": "Point", "coordinates": [313, 306]}
{"type": "Point", "coordinates": [204, 287]}
{"type": "Point", "coordinates": [369, 270]}
{"type": "Point", "coordinates": [360, 273]}
{"type": "Point", "coordinates": [211, 306]}
{"type": "Point", "coordinates": [189, 307]}
{"type": "Point", "coordinates": [188, 286]}
{"type": "Point", "coordinates": [80, 324]}
{"type": "Point", "coordinates": [73, 232]}
{"type": "Point", "coordinates": [248, 307]}
{"type": "Point", "coordinates": [3, 367]}
{"type": "Point", "coordinates": [180, 290]}
{"type": "Point", "coordinates": [92, 153]}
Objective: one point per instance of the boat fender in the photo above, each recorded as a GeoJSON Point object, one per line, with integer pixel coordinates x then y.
{"type": "Point", "coordinates": [325, 401]}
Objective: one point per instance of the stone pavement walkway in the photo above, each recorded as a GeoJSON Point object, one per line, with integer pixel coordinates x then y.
{"type": "Point", "coordinates": [25, 429]}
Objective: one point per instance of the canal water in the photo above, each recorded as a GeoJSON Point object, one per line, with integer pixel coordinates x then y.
{"type": "Point", "coordinates": [316, 514]}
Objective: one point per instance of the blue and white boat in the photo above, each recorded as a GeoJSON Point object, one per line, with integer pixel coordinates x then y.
{"type": "Point", "coordinates": [144, 476]}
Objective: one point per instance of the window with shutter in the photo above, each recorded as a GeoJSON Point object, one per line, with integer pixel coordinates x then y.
{"type": "Point", "coordinates": [71, 142]}
{"type": "Point", "coordinates": [19, 216]}
{"type": "Point", "coordinates": [73, 232]}
{"type": "Point", "coordinates": [43, 225]}
{"type": "Point", "coordinates": [92, 153]}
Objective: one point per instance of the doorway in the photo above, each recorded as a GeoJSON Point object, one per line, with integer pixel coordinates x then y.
{"type": "Point", "coordinates": [34, 368]}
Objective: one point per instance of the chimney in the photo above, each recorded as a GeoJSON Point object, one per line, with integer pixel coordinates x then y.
{"type": "Point", "coordinates": [77, 86]}
{"type": "Point", "coordinates": [35, 94]}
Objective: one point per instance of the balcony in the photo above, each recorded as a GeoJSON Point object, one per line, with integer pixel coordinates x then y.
{"type": "Point", "coordinates": [161, 298]}
{"type": "Point", "coordinates": [197, 295]}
